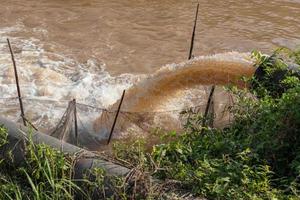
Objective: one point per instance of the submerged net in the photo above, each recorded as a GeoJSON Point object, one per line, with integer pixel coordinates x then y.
{"type": "Point", "coordinates": [155, 102]}
{"type": "Point", "coordinates": [64, 128]}
{"type": "Point", "coordinates": [94, 123]}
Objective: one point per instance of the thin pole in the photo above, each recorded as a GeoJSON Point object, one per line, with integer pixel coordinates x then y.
{"type": "Point", "coordinates": [193, 34]}
{"type": "Point", "coordinates": [116, 117]}
{"type": "Point", "coordinates": [17, 82]}
{"type": "Point", "coordinates": [207, 107]}
{"type": "Point", "coordinates": [75, 121]}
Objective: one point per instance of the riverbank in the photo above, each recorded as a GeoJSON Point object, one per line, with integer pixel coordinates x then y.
{"type": "Point", "coordinates": [255, 157]}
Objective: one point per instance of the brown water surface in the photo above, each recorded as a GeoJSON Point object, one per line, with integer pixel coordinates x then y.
{"type": "Point", "coordinates": [92, 50]}
{"type": "Point", "coordinates": [139, 36]}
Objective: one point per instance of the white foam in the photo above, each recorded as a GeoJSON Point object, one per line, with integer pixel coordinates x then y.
{"type": "Point", "coordinates": [49, 76]}
{"type": "Point", "coordinates": [49, 81]}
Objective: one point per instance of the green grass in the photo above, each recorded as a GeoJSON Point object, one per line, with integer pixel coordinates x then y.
{"type": "Point", "coordinates": [44, 174]}
{"type": "Point", "coordinates": [47, 174]}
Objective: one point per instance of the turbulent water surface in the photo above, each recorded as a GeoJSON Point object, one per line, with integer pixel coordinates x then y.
{"type": "Point", "coordinates": [93, 49]}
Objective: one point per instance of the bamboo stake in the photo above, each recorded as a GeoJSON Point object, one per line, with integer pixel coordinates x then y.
{"type": "Point", "coordinates": [209, 102]}
{"type": "Point", "coordinates": [116, 117]}
{"type": "Point", "coordinates": [17, 82]}
{"type": "Point", "coordinates": [75, 122]}
{"type": "Point", "coordinates": [207, 107]}
{"type": "Point", "coordinates": [193, 34]}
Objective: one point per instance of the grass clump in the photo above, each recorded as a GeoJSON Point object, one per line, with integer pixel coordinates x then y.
{"type": "Point", "coordinates": [45, 173]}
{"type": "Point", "coordinates": [42, 172]}
{"type": "Point", "coordinates": [39, 172]}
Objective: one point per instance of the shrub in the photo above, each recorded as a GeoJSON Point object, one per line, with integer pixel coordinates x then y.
{"type": "Point", "coordinates": [257, 157]}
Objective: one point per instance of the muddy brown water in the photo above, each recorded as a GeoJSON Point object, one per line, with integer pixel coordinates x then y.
{"type": "Point", "coordinates": [139, 36]}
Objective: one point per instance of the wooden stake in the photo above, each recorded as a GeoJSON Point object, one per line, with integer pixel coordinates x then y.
{"type": "Point", "coordinates": [116, 117]}
{"type": "Point", "coordinates": [207, 107]}
{"type": "Point", "coordinates": [75, 122]}
{"type": "Point", "coordinates": [193, 34]}
{"type": "Point", "coordinates": [17, 83]}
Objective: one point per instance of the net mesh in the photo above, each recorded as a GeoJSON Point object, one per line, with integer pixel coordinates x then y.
{"type": "Point", "coordinates": [57, 118]}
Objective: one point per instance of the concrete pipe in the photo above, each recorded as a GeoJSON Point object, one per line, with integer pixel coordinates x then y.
{"type": "Point", "coordinates": [89, 160]}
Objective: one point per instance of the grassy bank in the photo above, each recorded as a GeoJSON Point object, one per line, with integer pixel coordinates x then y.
{"type": "Point", "coordinates": [256, 157]}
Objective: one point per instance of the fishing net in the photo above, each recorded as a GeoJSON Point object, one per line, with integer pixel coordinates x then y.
{"type": "Point", "coordinates": [57, 118]}
{"type": "Point", "coordinates": [164, 100]}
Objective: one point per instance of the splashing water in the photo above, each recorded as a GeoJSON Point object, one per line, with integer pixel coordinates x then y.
{"type": "Point", "coordinates": [49, 81]}
{"type": "Point", "coordinates": [177, 87]}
